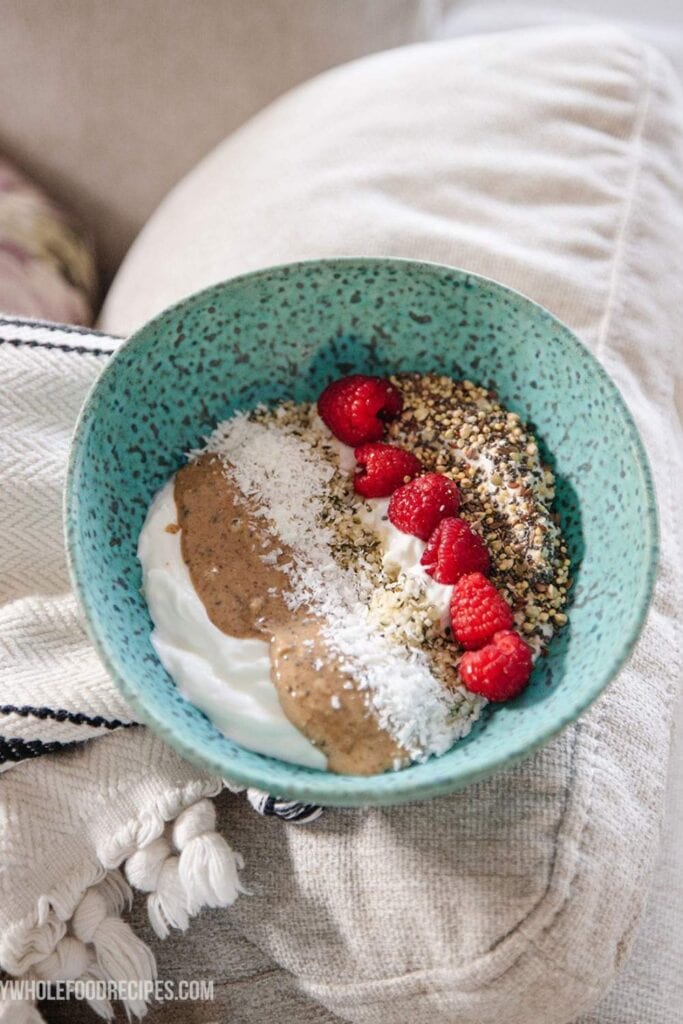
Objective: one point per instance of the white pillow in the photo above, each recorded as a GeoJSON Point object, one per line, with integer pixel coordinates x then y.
{"type": "Point", "coordinates": [553, 161]}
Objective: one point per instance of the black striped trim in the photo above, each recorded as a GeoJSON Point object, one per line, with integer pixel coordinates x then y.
{"type": "Point", "coordinates": [21, 750]}
{"type": "Point", "coordinates": [292, 811]}
{"type": "Point", "coordinates": [276, 807]}
{"type": "Point", "coordinates": [61, 715]}
{"type": "Point", "coordinates": [79, 349]}
{"type": "Point", "coordinates": [49, 325]}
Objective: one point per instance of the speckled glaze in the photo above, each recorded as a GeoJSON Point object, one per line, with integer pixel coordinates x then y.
{"type": "Point", "coordinates": [284, 333]}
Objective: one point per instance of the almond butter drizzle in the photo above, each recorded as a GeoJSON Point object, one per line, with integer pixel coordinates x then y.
{"type": "Point", "coordinates": [224, 543]}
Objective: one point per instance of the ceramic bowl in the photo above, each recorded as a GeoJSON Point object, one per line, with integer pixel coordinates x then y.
{"type": "Point", "coordinates": [284, 333]}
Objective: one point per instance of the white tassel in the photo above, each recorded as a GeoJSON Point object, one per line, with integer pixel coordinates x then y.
{"type": "Point", "coordinates": [116, 892]}
{"type": "Point", "coordinates": [102, 1007]}
{"type": "Point", "coordinates": [207, 868]}
{"type": "Point", "coordinates": [167, 906]}
{"type": "Point", "coordinates": [19, 1011]}
{"type": "Point", "coordinates": [34, 944]}
{"type": "Point", "coordinates": [193, 821]}
{"type": "Point", "coordinates": [205, 872]}
{"type": "Point", "coordinates": [89, 915]}
{"type": "Point", "coordinates": [73, 960]}
{"type": "Point", "coordinates": [154, 870]}
{"type": "Point", "coordinates": [70, 959]}
{"type": "Point", "coordinates": [119, 953]}
{"type": "Point", "coordinates": [74, 957]}
{"type": "Point", "coordinates": [144, 866]}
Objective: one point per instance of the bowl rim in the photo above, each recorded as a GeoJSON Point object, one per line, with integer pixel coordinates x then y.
{"type": "Point", "coordinates": [327, 788]}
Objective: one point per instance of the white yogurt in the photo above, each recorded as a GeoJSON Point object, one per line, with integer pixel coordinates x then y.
{"type": "Point", "coordinates": [402, 553]}
{"type": "Point", "coordinates": [226, 677]}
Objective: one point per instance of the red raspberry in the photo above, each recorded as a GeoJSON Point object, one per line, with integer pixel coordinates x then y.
{"type": "Point", "coordinates": [453, 550]}
{"type": "Point", "coordinates": [499, 671]}
{"type": "Point", "coordinates": [383, 468]}
{"type": "Point", "coordinates": [477, 611]}
{"type": "Point", "coordinates": [419, 507]}
{"type": "Point", "coordinates": [356, 408]}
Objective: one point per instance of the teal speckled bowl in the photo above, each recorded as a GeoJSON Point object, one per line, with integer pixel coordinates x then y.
{"type": "Point", "coordinates": [284, 333]}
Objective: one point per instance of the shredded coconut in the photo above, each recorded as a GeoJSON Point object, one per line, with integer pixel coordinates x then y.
{"type": "Point", "coordinates": [285, 478]}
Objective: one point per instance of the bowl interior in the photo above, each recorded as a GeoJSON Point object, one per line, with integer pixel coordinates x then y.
{"type": "Point", "coordinates": [283, 333]}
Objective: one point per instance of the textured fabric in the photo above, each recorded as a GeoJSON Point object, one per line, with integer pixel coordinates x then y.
{"type": "Point", "coordinates": [250, 988]}
{"type": "Point", "coordinates": [650, 988]}
{"type": "Point", "coordinates": [108, 104]}
{"type": "Point", "coordinates": [55, 691]}
{"type": "Point", "coordinates": [552, 161]}
{"type": "Point", "coordinates": [47, 268]}
{"type": "Point", "coordinates": [44, 643]}
{"type": "Point", "coordinates": [68, 821]}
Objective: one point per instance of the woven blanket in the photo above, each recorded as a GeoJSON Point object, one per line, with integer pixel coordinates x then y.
{"type": "Point", "coordinates": [78, 830]}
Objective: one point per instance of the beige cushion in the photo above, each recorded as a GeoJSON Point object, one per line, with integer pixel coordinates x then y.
{"type": "Point", "coordinates": [650, 988]}
{"type": "Point", "coordinates": [553, 161]}
{"type": "Point", "coordinates": [108, 104]}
